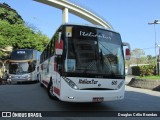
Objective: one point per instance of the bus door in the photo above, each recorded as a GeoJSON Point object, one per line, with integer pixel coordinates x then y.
{"type": "Point", "coordinates": [58, 63]}
{"type": "Point", "coordinates": [34, 70]}
{"type": "Point", "coordinates": [57, 75]}
{"type": "Point", "coordinates": [44, 76]}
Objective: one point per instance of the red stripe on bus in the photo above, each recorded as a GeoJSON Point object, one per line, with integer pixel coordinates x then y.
{"type": "Point", "coordinates": [57, 91]}
{"type": "Point", "coordinates": [45, 82]}
{"type": "Point", "coordinates": [55, 67]}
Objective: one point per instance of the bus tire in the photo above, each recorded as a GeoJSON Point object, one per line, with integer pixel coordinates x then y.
{"type": "Point", "coordinates": [41, 84]}
{"type": "Point", "coordinates": [50, 91]}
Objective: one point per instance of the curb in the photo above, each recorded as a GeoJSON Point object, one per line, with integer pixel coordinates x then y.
{"type": "Point", "coordinates": [145, 84]}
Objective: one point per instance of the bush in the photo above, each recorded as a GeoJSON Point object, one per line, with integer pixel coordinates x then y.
{"type": "Point", "coordinates": [136, 70]}
{"type": "Point", "coordinates": [145, 70]}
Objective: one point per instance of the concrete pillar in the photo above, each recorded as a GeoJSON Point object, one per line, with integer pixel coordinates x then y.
{"type": "Point", "coordinates": [65, 15]}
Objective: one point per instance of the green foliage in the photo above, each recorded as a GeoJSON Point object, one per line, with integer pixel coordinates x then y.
{"type": "Point", "coordinates": [145, 70]}
{"type": "Point", "coordinates": [13, 32]}
{"type": "Point", "coordinates": [10, 15]}
{"type": "Point", "coordinates": [138, 55]}
{"type": "Point", "coordinates": [20, 37]}
{"type": "Point", "coordinates": [136, 70]}
{"type": "Point", "coordinates": [149, 77]}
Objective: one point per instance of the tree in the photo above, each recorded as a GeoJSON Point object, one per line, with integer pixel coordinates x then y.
{"type": "Point", "coordinates": [14, 33]}
{"type": "Point", "coordinates": [138, 56]}
{"type": "Point", "coordinates": [20, 37]}
{"type": "Point", "coordinates": [151, 60]}
{"type": "Point", "coordinates": [10, 15]}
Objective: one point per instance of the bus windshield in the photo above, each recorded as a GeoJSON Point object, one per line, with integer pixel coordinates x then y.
{"type": "Point", "coordinates": [94, 52]}
{"type": "Point", "coordinates": [20, 68]}
{"type": "Point", "coordinates": [22, 55]}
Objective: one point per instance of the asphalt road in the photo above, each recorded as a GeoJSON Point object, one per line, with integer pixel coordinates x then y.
{"type": "Point", "coordinates": [32, 97]}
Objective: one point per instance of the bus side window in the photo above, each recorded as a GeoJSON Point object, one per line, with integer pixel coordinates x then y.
{"type": "Point", "coordinates": [52, 47]}
{"type": "Point", "coordinates": [58, 64]}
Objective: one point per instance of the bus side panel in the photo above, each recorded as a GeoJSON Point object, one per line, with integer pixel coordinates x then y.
{"type": "Point", "coordinates": [56, 78]}
{"type": "Point", "coordinates": [45, 77]}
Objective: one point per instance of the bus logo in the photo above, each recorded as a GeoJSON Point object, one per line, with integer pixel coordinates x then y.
{"type": "Point", "coordinates": [21, 52]}
{"type": "Point", "coordinates": [85, 81]}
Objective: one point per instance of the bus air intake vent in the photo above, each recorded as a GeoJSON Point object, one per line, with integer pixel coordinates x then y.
{"type": "Point", "coordinates": [97, 89]}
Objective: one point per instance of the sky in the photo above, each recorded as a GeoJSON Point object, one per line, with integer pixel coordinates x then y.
{"type": "Point", "coordinates": [128, 17]}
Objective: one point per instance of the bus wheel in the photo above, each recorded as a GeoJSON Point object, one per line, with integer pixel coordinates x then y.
{"type": "Point", "coordinates": [41, 85]}
{"type": "Point", "coordinates": [50, 91]}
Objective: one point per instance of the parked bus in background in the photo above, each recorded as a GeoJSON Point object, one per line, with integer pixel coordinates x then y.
{"type": "Point", "coordinates": [84, 64]}
{"type": "Point", "coordinates": [23, 65]}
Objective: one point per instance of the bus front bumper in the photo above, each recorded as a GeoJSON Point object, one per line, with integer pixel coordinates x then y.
{"type": "Point", "coordinates": [71, 95]}
{"type": "Point", "coordinates": [18, 78]}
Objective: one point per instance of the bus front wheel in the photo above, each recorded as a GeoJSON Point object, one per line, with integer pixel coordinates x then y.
{"type": "Point", "coordinates": [50, 91]}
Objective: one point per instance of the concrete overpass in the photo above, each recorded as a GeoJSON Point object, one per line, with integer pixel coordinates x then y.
{"type": "Point", "coordinates": [67, 6]}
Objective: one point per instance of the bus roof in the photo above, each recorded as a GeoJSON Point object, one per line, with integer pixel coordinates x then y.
{"type": "Point", "coordinates": [85, 25]}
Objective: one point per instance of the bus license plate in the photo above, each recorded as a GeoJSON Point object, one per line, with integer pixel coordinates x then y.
{"type": "Point", "coordinates": [98, 99]}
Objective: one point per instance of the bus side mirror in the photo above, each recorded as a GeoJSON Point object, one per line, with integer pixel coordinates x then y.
{"type": "Point", "coordinates": [59, 45]}
{"type": "Point", "coordinates": [128, 54]}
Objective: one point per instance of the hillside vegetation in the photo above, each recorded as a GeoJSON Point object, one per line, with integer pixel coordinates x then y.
{"type": "Point", "coordinates": [15, 33]}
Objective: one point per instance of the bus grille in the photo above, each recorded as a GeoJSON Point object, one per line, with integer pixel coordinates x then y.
{"type": "Point", "coordinates": [97, 89]}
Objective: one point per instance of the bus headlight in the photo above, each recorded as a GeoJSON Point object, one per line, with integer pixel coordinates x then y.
{"type": "Point", "coordinates": [120, 84]}
{"type": "Point", "coordinates": [71, 83]}
{"type": "Point", "coordinates": [28, 76]}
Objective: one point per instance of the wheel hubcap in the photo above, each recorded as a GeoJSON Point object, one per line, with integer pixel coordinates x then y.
{"type": "Point", "coordinates": [51, 90]}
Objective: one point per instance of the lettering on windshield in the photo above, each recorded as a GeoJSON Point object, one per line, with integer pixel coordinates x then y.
{"type": "Point", "coordinates": [95, 35]}
{"type": "Point", "coordinates": [85, 81]}
{"type": "Point", "coordinates": [21, 52]}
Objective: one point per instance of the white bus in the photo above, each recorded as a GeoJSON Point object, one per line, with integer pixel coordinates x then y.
{"type": "Point", "coordinates": [83, 64]}
{"type": "Point", "coordinates": [23, 65]}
